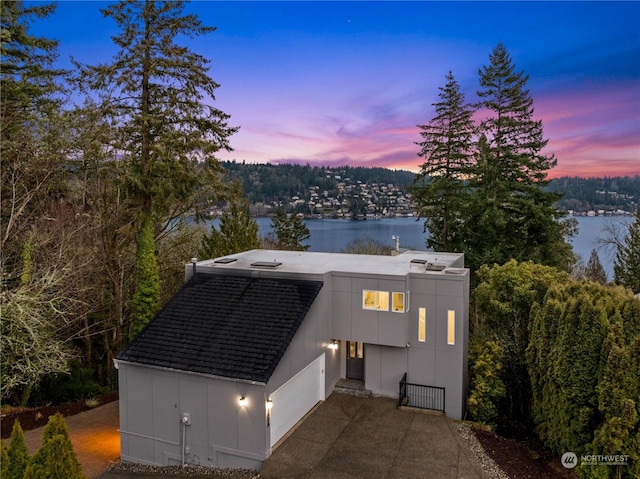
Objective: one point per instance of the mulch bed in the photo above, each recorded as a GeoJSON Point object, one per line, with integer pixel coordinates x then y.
{"type": "Point", "coordinates": [522, 459]}
{"type": "Point", "coordinates": [32, 418]}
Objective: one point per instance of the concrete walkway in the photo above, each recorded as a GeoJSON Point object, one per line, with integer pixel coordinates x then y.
{"type": "Point", "coordinates": [350, 437]}
{"type": "Point", "coordinates": [94, 435]}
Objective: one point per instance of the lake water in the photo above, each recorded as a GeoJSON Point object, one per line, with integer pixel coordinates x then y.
{"type": "Point", "coordinates": [334, 235]}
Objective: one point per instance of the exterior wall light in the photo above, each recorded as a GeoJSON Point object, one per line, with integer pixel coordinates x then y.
{"type": "Point", "coordinates": [333, 345]}
{"type": "Point", "coordinates": [243, 401]}
{"type": "Point", "coordinates": [269, 405]}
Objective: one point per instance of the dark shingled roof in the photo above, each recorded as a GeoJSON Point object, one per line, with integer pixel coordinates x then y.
{"type": "Point", "coordinates": [230, 326]}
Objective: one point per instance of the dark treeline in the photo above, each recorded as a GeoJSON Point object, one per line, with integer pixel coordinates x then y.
{"type": "Point", "coordinates": [608, 193]}
{"type": "Point", "coordinates": [275, 183]}
{"type": "Point", "coordinates": [269, 182]}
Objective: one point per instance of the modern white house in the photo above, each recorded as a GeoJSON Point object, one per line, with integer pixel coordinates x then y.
{"type": "Point", "coordinates": [253, 341]}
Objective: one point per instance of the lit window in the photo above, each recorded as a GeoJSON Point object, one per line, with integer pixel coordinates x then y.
{"type": "Point", "coordinates": [451, 327]}
{"type": "Point", "coordinates": [422, 324]}
{"type": "Point", "coordinates": [377, 300]}
{"type": "Point", "coordinates": [397, 301]}
{"type": "Point", "coordinates": [356, 350]}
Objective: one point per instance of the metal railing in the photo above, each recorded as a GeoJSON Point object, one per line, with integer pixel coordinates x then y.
{"type": "Point", "coordinates": [420, 396]}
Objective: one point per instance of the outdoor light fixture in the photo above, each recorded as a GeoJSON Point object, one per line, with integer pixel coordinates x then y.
{"type": "Point", "coordinates": [269, 405]}
{"type": "Point", "coordinates": [243, 401]}
{"type": "Point", "coordinates": [333, 345]}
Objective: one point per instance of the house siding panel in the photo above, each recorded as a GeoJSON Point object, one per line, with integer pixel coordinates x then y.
{"type": "Point", "coordinates": [341, 315]}
{"type": "Point", "coordinates": [393, 364]}
{"type": "Point", "coordinates": [372, 375]}
{"type": "Point", "coordinates": [166, 399]}
{"type": "Point", "coordinates": [193, 400]}
{"type": "Point", "coordinates": [393, 329]}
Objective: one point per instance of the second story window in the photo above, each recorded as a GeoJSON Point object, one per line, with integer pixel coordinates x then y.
{"type": "Point", "coordinates": [398, 304]}
{"type": "Point", "coordinates": [375, 300]}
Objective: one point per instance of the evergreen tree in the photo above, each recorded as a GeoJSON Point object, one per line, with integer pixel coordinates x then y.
{"type": "Point", "coordinates": [626, 267]}
{"type": "Point", "coordinates": [56, 458]}
{"type": "Point", "coordinates": [585, 377]}
{"type": "Point", "coordinates": [290, 231]}
{"type": "Point", "coordinates": [146, 300]}
{"type": "Point", "coordinates": [17, 453]}
{"type": "Point", "coordinates": [157, 95]}
{"type": "Point", "coordinates": [511, 214]}
{"type": "Point", "coordinates": [594, 270]}
{"type": "Point", "coordinates": [30, 137]}
{"type": "Point", "coordinates": [238, 230]}
{"type": "Point", "coordinates": [447, 146]}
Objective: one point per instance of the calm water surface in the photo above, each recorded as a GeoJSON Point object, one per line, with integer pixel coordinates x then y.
{"type": "Point", "coordinates": [334, 235]}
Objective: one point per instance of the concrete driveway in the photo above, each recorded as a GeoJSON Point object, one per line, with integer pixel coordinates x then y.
{"type": "Point", "coordinates": [351, 437]}
{"type": "Point", "coordinates": [344, 437]}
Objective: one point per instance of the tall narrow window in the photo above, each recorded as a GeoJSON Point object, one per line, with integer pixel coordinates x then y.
{"type": "Point", "coordinates": [451, 327]}
{"type": "Point", "coordinates": [397, 302]}
{"type": "Point", "coordinates": [422, 324]}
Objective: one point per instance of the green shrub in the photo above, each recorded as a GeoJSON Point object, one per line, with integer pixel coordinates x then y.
{"type": "Point", "coordinates": [56, 458]}
{"type": "Point", "coordinates": [17, 453]}
{"type": "Point", "coordinates": [4, 459]}
{"type": "Point", "coordinates": [585, 374]}
{"type": "Point", "coordinates": [79, 384]}
{"type": "Point", "coordinates": [486, 388]}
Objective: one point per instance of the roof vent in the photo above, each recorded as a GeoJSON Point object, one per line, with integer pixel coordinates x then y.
{"type": "Point", "coordinates": [434, 267]}
{"type": "Point", "coordinates": [266, 264]}
{"type": "Point", "coordinates": [454, 271]}
{"type": "Point", "coordinates": [225, 260]}
{"type": "Point", "coordinates": [419, 261]}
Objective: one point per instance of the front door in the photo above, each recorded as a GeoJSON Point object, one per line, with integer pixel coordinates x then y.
{"type": "Point", "coordinates": [355, 360]}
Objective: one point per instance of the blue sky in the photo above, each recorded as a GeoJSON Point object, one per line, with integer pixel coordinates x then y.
{"type": "Point", "coordinates": [347, 82]}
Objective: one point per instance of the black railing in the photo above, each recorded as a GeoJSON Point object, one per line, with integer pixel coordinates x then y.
{"type": "Point", "coordinates": [420, 396]}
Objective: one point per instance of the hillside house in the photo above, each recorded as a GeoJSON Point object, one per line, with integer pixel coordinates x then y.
{"type": "Point", "coordinates": [253, 341]}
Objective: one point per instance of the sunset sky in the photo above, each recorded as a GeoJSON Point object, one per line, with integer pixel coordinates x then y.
{"type": "Point", "coordinates": [334, 83]}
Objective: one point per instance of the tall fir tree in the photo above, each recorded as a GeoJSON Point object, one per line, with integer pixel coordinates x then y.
{"type": "Point", "coordinates": [626, 267]}
{"type": "Point", "coordinates": [157, 94]}
{"type": "Point", "coordinates": [238, 230]}
{"type": "Point", "coordinates": [31, 137]}
{"type": "Point", "coordinates": [511, 214]}
{"type": "Point", "coordinates": [290, 231]}
{"type": "Point", "coordinates": [447, 150]}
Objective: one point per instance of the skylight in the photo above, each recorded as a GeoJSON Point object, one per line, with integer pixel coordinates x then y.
{"type": "Point", "coordinates": [266, 264]}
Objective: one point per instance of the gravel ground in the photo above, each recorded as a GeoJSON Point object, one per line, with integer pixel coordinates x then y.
{"type": "Point", "coordinates": [488, 465]}
{"type": "Point", "coordinates": [187, 471]}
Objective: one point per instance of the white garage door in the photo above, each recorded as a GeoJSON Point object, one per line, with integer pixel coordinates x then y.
{"type": "Point", "coordinates": [296, 397]}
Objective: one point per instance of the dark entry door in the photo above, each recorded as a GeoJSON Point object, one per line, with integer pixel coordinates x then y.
{"type": "Point", "coordinates": [355, 360]}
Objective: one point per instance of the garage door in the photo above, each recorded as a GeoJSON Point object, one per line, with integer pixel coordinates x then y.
{"type": "Point", "coordinates": [296, 397]}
